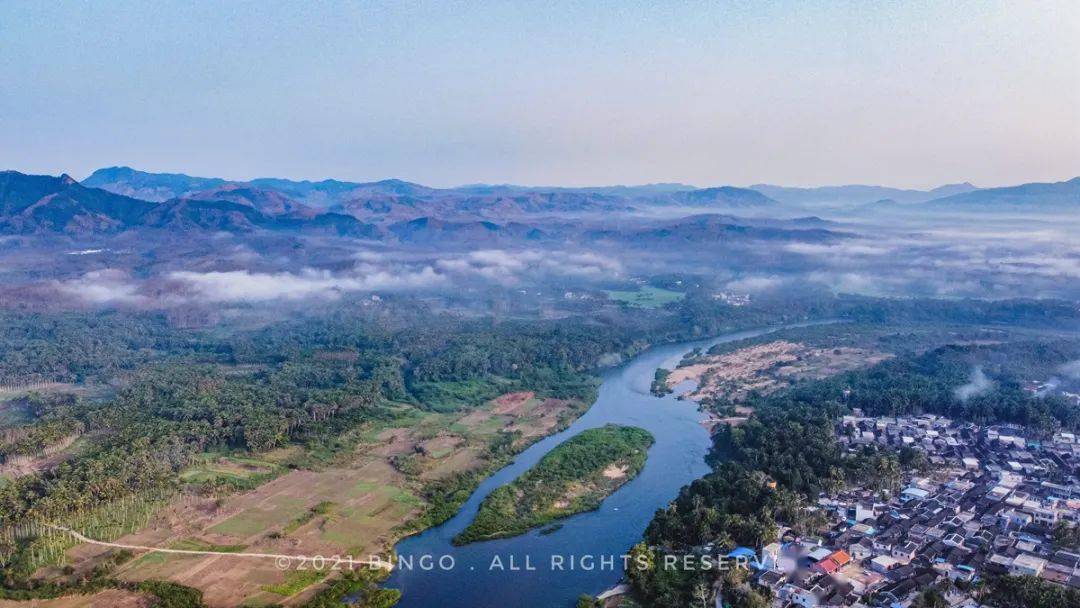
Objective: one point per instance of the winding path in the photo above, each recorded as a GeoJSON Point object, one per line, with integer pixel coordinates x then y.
{"type": "Point", "coordinates": [284, 561]}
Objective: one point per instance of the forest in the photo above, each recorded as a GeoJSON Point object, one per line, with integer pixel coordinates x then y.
{"type": "Point", "coordinates": [145, 398]}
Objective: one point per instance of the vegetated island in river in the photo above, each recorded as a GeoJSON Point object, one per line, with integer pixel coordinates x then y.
{"type": "Point", "coordinates": [574, 477]}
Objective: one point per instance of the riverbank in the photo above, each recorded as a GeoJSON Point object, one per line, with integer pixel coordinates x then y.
{"type": "Point", "coordinates": [544, 568]}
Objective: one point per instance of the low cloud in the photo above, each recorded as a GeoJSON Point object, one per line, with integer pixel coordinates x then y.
{"type": "Point", "coordinates": [508, 267]}
{"type": "Point", "coordinates": [381, 272]}
{"type": "Point", "coordinates": [244, 286]}
{"type": "Point", "coordinates": [755, 284]}
{"type": "Point", "coordinates": [108, 286]}
{"type": "Point", "coordinates": [1071, 370]}
{"type": "Point", "coordinates": [853, 248]}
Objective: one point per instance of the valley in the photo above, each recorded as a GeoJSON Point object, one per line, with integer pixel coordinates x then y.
{"type": "Point", "coordinates": [539, 304]}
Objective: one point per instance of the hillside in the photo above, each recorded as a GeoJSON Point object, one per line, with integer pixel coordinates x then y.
{"type": "Point", "coordinates": [156, 187]}
{"type": "Point", "coordinates": [36, 203]}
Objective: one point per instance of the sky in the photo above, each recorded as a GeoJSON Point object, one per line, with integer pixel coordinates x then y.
{"type": "Point", "coordinates": [909, 94]}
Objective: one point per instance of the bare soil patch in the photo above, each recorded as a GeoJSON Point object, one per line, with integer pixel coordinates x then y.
{"type": "Point", "coordinates": [50, 457]}
{"type": "Point", "coordinates": [441, 446]}
{"type": "Point", "coordinates": [109, 598]}
{"type": "Point", "coordinates": [510, 403]}
{"type": "Point", "coordinates": [766, 368]}
{"type": "Point", "coordinates": [615, 472]}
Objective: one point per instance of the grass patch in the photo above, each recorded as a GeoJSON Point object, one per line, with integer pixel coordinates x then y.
{"type": "Point", "coordinates": [484, 427]}
{"type": "Point", "coordinates": [295, 582]}
{"type": "Point", "coordinates": [401, 496]}
{"type": "Point", "coordinates": [452, 396]}
{"type": "Point", "coordinates": [255, 521]}
{"type": "Point", "coordinates": [387, 505]}
{"type": "Point", "coordinates": [322, 508]}
{"type": "Point", "coordinates": [153, 558]}
{"type": "Point", "coordinates": [358, 584]}
{"type": "Point", "coordinates": [233, 472]}
{"type": "Point", "coordinates": [646, 297]}
{"type": "Point", "coordinates": [405, 416]}
{"type": "Point", "coordinates": [198, 544]}
{"type": "Point", "coordinates": [363, 487]}
{"type": "Point", "coordinates": [391, 492]}
{"type": "Point", "coordinates": [442, 453]}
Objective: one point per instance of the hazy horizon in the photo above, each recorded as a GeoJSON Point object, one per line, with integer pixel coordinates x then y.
{"type": "Point", "coordinates": [571, 94]}
{"type": "Point", "coordinates": [465, 184]}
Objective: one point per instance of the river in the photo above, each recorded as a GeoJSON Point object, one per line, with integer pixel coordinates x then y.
{"type": "Point", "coordinates": [496, 573]}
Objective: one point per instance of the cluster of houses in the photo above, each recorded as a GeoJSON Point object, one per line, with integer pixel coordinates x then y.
{"type": "Point", "coordinates": [995, 502]}
{"type": "Point", "coordinates": [1052, 386]}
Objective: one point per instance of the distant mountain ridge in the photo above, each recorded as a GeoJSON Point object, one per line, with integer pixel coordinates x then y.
{"type": "Point", "coordinates": [155, 187]}
{"type": "Point", "coordinates": [34, 204]}
{"type": "Point", "coordinates": [1037, 195]}
{"type": "Point", "coordinates": [382, 199]}
{"type": "Point", "coordinates": [728, 196]}
{"type": "Point", "coordinates": [158, 187]}
{"type": "Point", "coordinates": [857, 194]}
{"type": "Point", "coordinates": [408, 212]}
{"type": "Point", "coordinates": [332, 192]}
{"type": "Point", "coordinates": [163, 186]}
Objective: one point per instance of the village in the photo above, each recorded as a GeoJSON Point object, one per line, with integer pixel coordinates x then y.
{"type": "Point", "coordinates": [992, 502]}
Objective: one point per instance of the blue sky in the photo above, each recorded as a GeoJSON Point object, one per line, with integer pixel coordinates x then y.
{"type": "Point", "coordinates": [567, 93]}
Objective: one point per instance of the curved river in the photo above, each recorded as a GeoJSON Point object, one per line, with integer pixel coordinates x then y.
{"type": "Point", "coordinates": [483, 574]}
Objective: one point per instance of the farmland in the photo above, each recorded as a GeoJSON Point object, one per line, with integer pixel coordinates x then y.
{"type": "Point", "coordinates": [113, 598]}
{"type": "Point", "coordinates": [357, 505]}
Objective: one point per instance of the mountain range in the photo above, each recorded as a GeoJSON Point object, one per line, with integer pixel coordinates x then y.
{"type": "Point", "coordinates": [120, 198]}
{"type": "Point", "coordinates": [1063, 196]}
{"type": "Point", "coordinates": [391, 210]}
{"type": "Point", "coordinates": [160, 187]}
{"type": "Point", "coordinates": [857, 194]}
{"type": "Point", "coordinates": [38, 204]}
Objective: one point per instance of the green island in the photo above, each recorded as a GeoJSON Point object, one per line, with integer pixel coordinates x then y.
{"type": "Point", "coordinates": [574, 477]}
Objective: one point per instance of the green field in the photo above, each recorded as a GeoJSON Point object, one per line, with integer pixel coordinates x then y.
{"type": "Point", "coordinates": [254, 521]}
{"type": "Point", "coordinates": [233, 470]}
{"type": "Point", "coordinates": [646, 297]}
{"type": "Point", "coordinates": [296, 581]}
{"type": "Point", "coordinates": [452, 396]}
{"type": "Point", "coordinates": [198, 544]}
